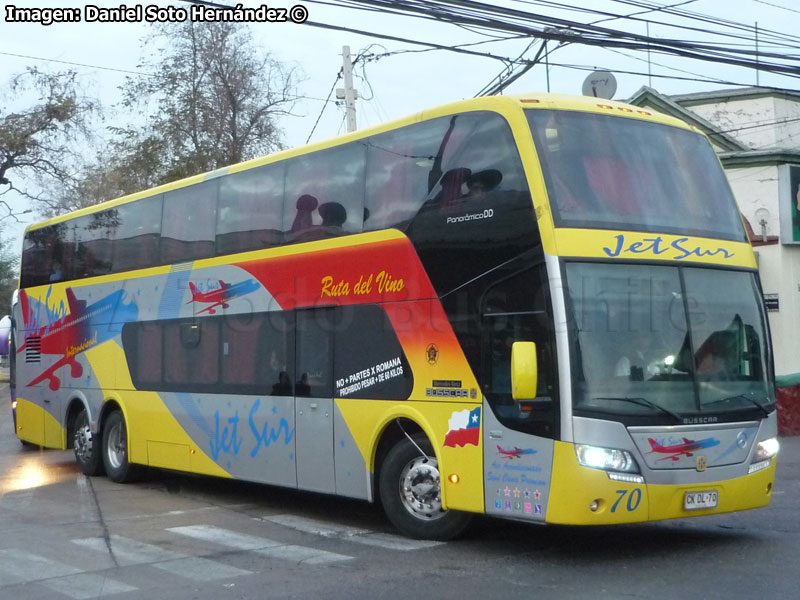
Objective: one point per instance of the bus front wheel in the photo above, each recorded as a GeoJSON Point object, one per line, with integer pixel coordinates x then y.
{"type": "Point", "coordinates": [411, 492]}
{"type": "Point", "coordinates": [86, 446]}
{"type": "Point", "coordinates": [115, 449]}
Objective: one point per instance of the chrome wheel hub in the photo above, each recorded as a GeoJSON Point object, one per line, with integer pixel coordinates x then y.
{"type": "Point", "coordinates": [116, 447]}
{"type": "Point", "coordinates": [420, 489]}
{"type": "Point", "coordinates": [82, 442]}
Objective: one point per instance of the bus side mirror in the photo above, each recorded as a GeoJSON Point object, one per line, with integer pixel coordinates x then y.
{"type": "Point", "coordinates": [524, 371]}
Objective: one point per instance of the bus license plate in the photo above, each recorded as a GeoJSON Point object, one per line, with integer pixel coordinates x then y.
{"type": "Point", "coordinates": [696, 500]}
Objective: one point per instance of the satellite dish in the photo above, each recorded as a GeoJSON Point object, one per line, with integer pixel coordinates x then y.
{"type": "Point", "coordinates": [600, 84]}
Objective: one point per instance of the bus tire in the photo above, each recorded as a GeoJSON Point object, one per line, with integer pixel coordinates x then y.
{"type": "Point", "coordinates": [410, 491]}
{"type": "Point", "coordinates": [86, 445]}
{"type": "Point", "coordinates": [115, 449]}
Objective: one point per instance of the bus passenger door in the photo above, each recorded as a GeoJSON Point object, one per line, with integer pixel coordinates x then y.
{"type": "Point", "coordinates": [519, 434]}
{"type": "Point", "coordinates": [516, 308]}
{"type": "Point", "coordinates": [313, 391]}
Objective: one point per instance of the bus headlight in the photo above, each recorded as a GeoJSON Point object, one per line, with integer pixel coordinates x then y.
{"type": "Point", "coordinates": [607, 459]}
{"type": "Point", "coordinates": [766, 449]}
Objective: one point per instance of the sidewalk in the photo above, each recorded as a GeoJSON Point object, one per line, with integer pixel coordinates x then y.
{"type": "Point", "coordinates": [790, 451]}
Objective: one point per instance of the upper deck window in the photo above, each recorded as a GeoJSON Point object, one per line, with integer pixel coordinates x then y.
{"type": "Point", "coordinates": [619, 173]}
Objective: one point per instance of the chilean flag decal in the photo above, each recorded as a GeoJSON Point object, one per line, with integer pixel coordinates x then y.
{"type": "Point", "coordinates": [464, 428]}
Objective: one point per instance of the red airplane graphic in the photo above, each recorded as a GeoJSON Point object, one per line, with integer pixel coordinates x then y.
{"type": "Point", "coordinates": [677, 451]}
{"type": "Point", "coordinates": [515, 452]}
{"type": "Point", "coordinates": [221, 295]}
{"type": "Point", "coordinates": [80, 329]}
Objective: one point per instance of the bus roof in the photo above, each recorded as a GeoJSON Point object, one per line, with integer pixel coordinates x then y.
{"type": "Point", "coordinates": [500, 104]}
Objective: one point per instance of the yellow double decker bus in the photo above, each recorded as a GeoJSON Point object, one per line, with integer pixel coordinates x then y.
{"type": "Point", "coordinates": [541, 307]}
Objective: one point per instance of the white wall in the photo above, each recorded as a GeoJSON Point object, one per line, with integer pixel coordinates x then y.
{"type": "Point", "coordinates": [779, 268]}
{"type": "Point", "coordinates": [750, 121]}
{"type": "Point", "coordinates": [757, 188]}
{"type": "Point", "coordinates": [778, 265]}
{"type": "Point", "coordinates": [787, 113]}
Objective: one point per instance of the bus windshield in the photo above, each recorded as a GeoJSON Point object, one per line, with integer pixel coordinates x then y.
{"type": "Point", "coordinates": [612, 172]}
{"type": "Point", "coordinates": [677, 343]}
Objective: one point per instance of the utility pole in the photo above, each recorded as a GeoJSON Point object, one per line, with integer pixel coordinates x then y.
{"type": "Point", "coordinates": [757, 69]}
{"type": "Point", "coordinates": [546, 65]}
{"type": "Point", "coordinates": [348, 94]}
{"type": "Point", "coordinates": [649, 72]}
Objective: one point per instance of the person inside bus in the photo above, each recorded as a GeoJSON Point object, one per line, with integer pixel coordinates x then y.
{"type": "Point", "coordinates": [303, 388]}
{"type": "Point", "coordinates": [482, 182]}
{"type": "Point", "coordinates": [283, 387]}
{"type": "Point", "coordinates": [306, 204]}
{"type": "Point", "coordinates": [452, 189]}
{"type": "Point", "coordinates": [275, 368]}
{"type": "Point", "coordinates": [57, 274]}
{"type": "Point", "coordinates": [447, 201]}
{"type": "Point", "coordinates": [333, 217]}
{"type": "Point", "coordinates": [643, 356]}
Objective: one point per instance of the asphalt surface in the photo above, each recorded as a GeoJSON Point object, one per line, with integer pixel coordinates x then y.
{"type": "Point", "coordinates": [183, 537]}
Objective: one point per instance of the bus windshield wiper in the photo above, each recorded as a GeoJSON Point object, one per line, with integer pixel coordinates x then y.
{"type": "Point", "coordinates": [738, 397]}
{"type": "Point", "coordinates": [643, 402]}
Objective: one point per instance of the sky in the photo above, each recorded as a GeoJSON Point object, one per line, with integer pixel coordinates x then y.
{"type": "Point", "coordinates": [404, 82]}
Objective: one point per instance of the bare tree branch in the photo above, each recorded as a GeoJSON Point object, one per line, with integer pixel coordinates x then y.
{"type": "Point", "coordinates": [40, 141]}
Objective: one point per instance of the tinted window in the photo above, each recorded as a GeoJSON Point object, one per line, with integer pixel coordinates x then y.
{"type": "Point", "coordinates": [315, 330]}
{"type": "Point", "coordinates": [148, 351]}
{"type": "Point", "coordinates": [728, 332]}
{"type": "Point", "coordinates": [64, 256]}
{"type": "Point", "coordinates": [688, 340]}
{"type": "Point", "coordinates": [325, 193]}
{"type": "Point", "coordinates": [137, 234]}
{"type": "Point", "coordinates": [478, 211]}
{"type": "Point", "coordinates": [258, 353]}
{"type": "Point", "coordinates": [95, 234]}
{"type": "Point", "coordinates": [191, 351]}
{"type": "Point", "coordinates": [232, 354]}
{"type": "Point", "coordinates": [516, 309]}
{"type": "Point", "coordinates": [250, 210]}
{"type": "Point", "coordinates": [399, 168]}
{"type": "Point", "coordinates": [189, 224]}
{"type": "Point", "coordinates": [42, 251]}
{"type": "Point", "coordinates": [621, 173]}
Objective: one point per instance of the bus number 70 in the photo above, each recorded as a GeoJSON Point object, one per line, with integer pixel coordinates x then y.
{"type": "Point", "coordinates": [634, 499]}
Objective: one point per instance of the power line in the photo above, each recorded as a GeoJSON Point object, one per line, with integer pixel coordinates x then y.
{"type": "Point", "coordinates": [764, 124]}
{"type": "Point", "coordinates": [646, 11]}
{"type": "Point", "coordinates": [142, 73]}
{"type": "Point", "coordinates": [698, 75]}
{"type": "Point", "coordinates": [651, 7]}
{"type": "Point", "coordinates": [324, 106]}
{"type": "Point", "coordinates": [687, 14]}
{"type": "Point", "coordinates": [394, 38]}
{"type": "Point", "coordinates": [434, 46]}
{"type": "Point", "coordinates": [501, 85]}
{"type": "Point", "coordinates": [777, 6]}
{"type": "Point", "coordinates": [506, 78]}
{"type": "Point", "coordinates": [516, 21]}
{"type": "Point", "coordinates": [77, 64]}
{"type": "Point", "coordinates": [675, 77]}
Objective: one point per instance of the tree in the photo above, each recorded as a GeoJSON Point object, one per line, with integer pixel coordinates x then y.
{"type": "Point", "coordinates": [8, 273]}
{"type": "Point", "coordinates": [38, 144]}
{"type": "Point", "coordinates": [212, 100]}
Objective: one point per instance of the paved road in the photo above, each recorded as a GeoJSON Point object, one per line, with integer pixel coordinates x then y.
{"type": "Point", "coordinates": [63, 535]}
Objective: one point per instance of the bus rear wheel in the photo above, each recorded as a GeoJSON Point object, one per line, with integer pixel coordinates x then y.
{"type": "Point", "coordinates": [411, 492]}
{"type": "Point", "coordinates": [86, 446]}
{"type": "Point", "coordinates": [115, 449]}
